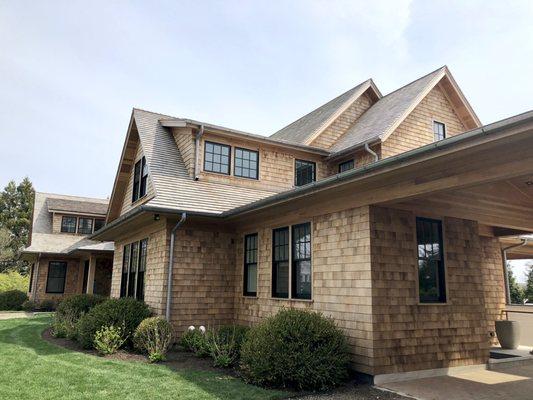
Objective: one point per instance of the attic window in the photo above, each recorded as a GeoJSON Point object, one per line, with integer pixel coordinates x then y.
{"type": "Point", "coordinates": [305, 172]}
{"type": "Point", "coordinates": [217, 158]}
{"type": "Point", "coordinates": [140, 176]}
{"type": "Point", "coordinates": [439, 130]}
{"type": "Point", "coordinates": [346, 165]}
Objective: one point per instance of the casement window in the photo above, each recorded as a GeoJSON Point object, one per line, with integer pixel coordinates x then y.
{"type": "Point", "coordinates": [250, 265]}
{"type": "Point", "coordinates": [431, 273]}
{"type": "Point", "coordinates": [68, 224]}
{"type": "Point", "coordinates": [133, 270]}
{"type": "Point", "coordinates": [246, 163]}
{"type": "Point", "coordinates": [439, 130]}
{"type": "Point", "coordinates": [217, 158]}
{"type": "Point", "coordinates": [304, 173]}
{"type": "Point", "coordinates": [57, 273]}
{"type": "Point", "coordinates": [85, 226]}
{"type": "Point", "coordinates": [98, 224]}
{"type": "Point", "coordinates": [140, 177]}
{"type": "Point", "coordinates": [298, 260]}
{"type": "Point", "coordinates": [32, 270]}
{"type": "Point", "coordinates": [346, 165]}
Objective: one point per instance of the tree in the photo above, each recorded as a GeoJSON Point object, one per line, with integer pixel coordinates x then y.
{"type": "Point", "coordinates": [517, 293]}
{"type": "Point", "coordinates": [16, 206]}
{"type": "Point", "coordinates": [529, 283]}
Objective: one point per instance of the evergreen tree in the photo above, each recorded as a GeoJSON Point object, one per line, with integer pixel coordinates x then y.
{"type": "Point", "coordinates": [529, 283]}
{"type": "Point", "coordinates": [517, 293]}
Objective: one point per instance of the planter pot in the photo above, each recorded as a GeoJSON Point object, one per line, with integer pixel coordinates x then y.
{"type": "Point", "coordinates": [508, 333]}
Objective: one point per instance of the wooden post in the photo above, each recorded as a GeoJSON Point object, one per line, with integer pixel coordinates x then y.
{"type": "Point", "coordinates": [90, 278]}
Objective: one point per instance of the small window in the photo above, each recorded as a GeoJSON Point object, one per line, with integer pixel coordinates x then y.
{"type": "Point", "coordinates": [246, 163]}
{"type": "Point", "coordinates": [57, 272]}
{"type": "Point", "coordinates": [304, 172]}
{"type": "Point", "coordinates": [217, 158]}
{"type": "Point", "coordinates": [85, 226]}
{"type": "Point", "coordinates": [346, 165]}
{"type": "Point", "coordinates": [134, 269]}
{"type": "Point", "coordinates": [250, 265]}
{"type": "Point", "coordinates": [142, 269]}
{"type": "Point", "coordinates": [439, 130]}
{"type": "Point", "coordinates": [280, 263]}
{"type": "Point", "coordinates": [125, 270]}
{"type": "Point", "coordinates": [68, 224]}
{"type": "Point", "coordinates": [32, 270]}
{"type": "Point", "coordinates": [301, 261]}
{"type": "Point", "coordinates": [98, 224]}
{"type": "Point", "coordinates": [134, 264]}
{"type": "Point", "coordinates": [140, 176]}
{"type": "Point", "coordinates": [431, 274]}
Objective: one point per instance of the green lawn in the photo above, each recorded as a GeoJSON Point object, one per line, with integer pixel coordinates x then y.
{"type": "Point", "coordinates": [31, 368]}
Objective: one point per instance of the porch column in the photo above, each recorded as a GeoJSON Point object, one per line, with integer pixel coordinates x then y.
{"type": "Point", "coordinates": [90, 276]}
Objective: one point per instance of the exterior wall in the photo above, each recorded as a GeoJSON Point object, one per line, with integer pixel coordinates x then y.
{"type": "Point", "coordinates": [361, 157]}
{"type": "Point", "coordinates": [411, 336]}
{"type": "Point", "coordinates": [185, 141]}
{"type": "Point", "coordinates": [333, 132]}
{"type": "Point", "coordinates": [57, 218]}
{"type": "Point", "coordinates": [417, 129]}
{"type": "Point", "coordinates": [73, 280]}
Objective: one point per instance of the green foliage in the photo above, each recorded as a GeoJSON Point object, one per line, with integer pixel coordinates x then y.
{"type": "Point", "coordinates": [529, 284]}
{"type": "Point", "coordinates": [126, 312]}
{"type": "Point", "coordinates": [225, 344]}
{"type": "Point", "coordinates": [517, 293]}
{"type": "Point", "coordinates": [12, 300]}
{"type": "Point", "coordinates": [297, 349]}
{"type": "Point", "coordinates": [47, 305]}
{"type": "Point", "coordinates": [196, 342]}
{"type": "Point", "coordinates": [70, 310]}
{"type": "Point", "coordinates": [16, 204]}
{"type": "Point", "coordinates": [108, 339]}
{"type": "Point", "coordinates": [13, 280]}
{"type": "Point", "coordinates": [153, 337]}
{"type": "Point", "coordinates": [29, 305]}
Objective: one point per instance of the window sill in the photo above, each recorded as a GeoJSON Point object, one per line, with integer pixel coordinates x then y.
{"type": "Point", "coordinates": [292, 299]}
{"type": "Point", "coordinates": [434, 304]}
{"type": "Point", "coordinates": [249, 296]}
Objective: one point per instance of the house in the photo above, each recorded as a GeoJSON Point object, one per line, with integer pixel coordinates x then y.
{"type": "Point", "coordinates": [63, 260]}
{"type": "Point", "coordinates": [383, 212]}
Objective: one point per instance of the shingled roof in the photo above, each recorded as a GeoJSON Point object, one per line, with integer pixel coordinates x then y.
{"type": "Point", "coordinates": [86, 206]}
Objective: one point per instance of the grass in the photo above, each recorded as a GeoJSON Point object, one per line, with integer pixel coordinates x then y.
{"type": "Point", "coordinates": [32, 368]}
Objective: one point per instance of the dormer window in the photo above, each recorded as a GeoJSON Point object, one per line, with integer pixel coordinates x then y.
{"type": "Point", "coordinates": [68, 224]}
{"type": "Point", "coordinates": [85, 226]}
{"type": "Point", "coordinates": [305, 172]}
{"type": "Point", "coordinates": [346, 165]}
{"type": "Point", "coordinates": [246, 163]}
{"type": "Point", "coordinates": [439, 130]}
{"type": "Point", "coordinates": [140, 177]}
{"type": "Point", "coordinates": [217, 158]}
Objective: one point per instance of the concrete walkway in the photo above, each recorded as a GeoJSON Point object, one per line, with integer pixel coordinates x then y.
{"type": "Point", "coordinates": [15, 314]}
{"type": "Point", "coordinates": [509, 381]}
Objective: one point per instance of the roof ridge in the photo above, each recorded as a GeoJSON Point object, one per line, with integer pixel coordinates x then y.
{"type": "Point", "coordinates": [444, 67]}
{"type": "Point", "coordinates": [153, 112]}
{"type": "Point", "coordinates": [71, 196]}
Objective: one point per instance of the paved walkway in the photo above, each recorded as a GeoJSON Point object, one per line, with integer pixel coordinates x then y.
{"type": "Point", "coordinates": [16, 314]}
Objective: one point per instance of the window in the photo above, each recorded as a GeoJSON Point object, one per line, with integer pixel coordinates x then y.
{"type": "Point", "coordinates": [31, 277]}
{"type": "Point", "coordinates": [217, 158]}
{"type": "Point", "coordinates": [280, 263]}
{"type": "Point", "coordinates": [346, 165]}
{"type": "Point", "coordinates": [140, 175]}
{"type": "Point", "coordinates": [304, 172]}
{"type": "Point", "coordinates": [133, 270]}
{"type": "Point", "coordinates": [68, 224]}
{"type": "Point", "coordinates": [431, 275]}
{"type": "Point", "coordinates": [57, 272]}
{"type": "Point", "coordinates": [301, 261]}
{"type": "Point", "coordinates": [85, 226]}
{"type": "Point", "coordinates": [98, 224]}
{"type": "Point", "coordinates": [439, 130]}
{"type": "Point", "coordinates": [85, 276]}
{"type": "Point", "coordinates": [246, 163]}
{"type": "Point", "coordinates": [250, 265]}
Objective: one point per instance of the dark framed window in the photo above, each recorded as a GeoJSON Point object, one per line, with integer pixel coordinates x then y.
{"type": "Point", "coordinates": [85, 276]}
{"type": "Point", "coordinates": [134, 269]}
{"type": "Point", "coordinates": [85, 226]}
{"type": "Point", "coordinates": [280, 262]}
{"type": "Point", "coordinates": [142, 269]}
{"type": "Point", "coordinates": [68, 224]}
{"type": "Point", "coordinates": [217, 158]}
{"type": "Point", "coordinates": [301, 261]}
{"type": "Point", "coordinates": [431, 273]}
{"type": "Point", "coordinates": [250, 265]}
{"type": "Point", "coordinates": [140, 176]}
{"type": "Point", "coordinates": [98, 224]}
{"type": "Point", "coordinates": [125, 270]}
{"type": "Point", "coordinates": [346, 165]}
{"type": "Point", "coordinates": [304, 173]}
{"type": "Point", "coordinates": [57, 273]}
{"type": "Point", "coordinates": [246, 163]}
{"type": "Point", "coordinates": [439, 130]}
{"type": "Point", "coordinates": [134, 264]}
{"type": "Point", "coordinates": [32, 269]}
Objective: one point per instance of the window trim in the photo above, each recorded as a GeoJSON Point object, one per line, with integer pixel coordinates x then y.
{"type": "Point", "coordinates": [32, 271]}
{"type": "Point", "coordinates": [273, 294]}
{"type": "Point", "coordinates": [346, 162]}
{"type": "Point", "coordinates": [296, 174]}
{"type": "Point", "coordinates": [79, 225]}
{"type": "Point", "coordinates": [229, 158]}
{"type": "Point", "coordinates": [138, 179]}
{"type": "Point", "coordinates": [440, 220]}
{"type": "Point", "coordinates": [294, 261]}
{"type": "Point", "coordinates": [65, 263]}
{"type": "Point", "coordinates": [245, 291]}
{"type": "Point", "coordinates": [75, 225]}
{"type": "Point", "coordinates": [235, 163]}
{"type": "Point", "coordinates": [444, 129]}
{"type": "Point", "coordinates": [128, 251]}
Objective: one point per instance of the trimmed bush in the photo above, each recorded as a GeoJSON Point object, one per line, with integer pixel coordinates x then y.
{"type": "Point", "coordinates": [29, 305]}
{"type": "Point", "coordinates": [126, 312]}
{"type": "Point", "coordinates": [153, 337]}
{"type": "Point", "coordinates": [12, 300]}
{"type": "Point", "coordinates": [70, 310]}
{"type": "Point", "coordinates": [108, 339]}
{"type": "Point", "coordinates": [225, 344]}
{"type": "Point", "coordinates": [295, 349]}
{"type": "Point", "coordinates": [47, 305]}
{"type": "Point", "coordinates": [196, 341]}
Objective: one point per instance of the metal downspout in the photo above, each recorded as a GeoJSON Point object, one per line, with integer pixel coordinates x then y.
{"type": "Point", "coordinates": [371, 152]}
{"type": "Point", "coordinates": [171, 264]}
{"type": "Point", "coordinates": [505, 272]}
{"type": "Point", "coordinates": [197, 152]}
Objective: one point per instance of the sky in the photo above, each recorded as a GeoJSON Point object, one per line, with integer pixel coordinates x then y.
{"type": "Point", "coordinates": [71, 71]}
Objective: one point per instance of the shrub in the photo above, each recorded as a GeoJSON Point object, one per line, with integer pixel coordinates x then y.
{"type": "Point", "coordinates": [12, 300]}
{"type": "Point", "coordinates": [29, 305]}
{"type": "Point", "coordinates": [153, 336]}
{"type": "Point", "coordinates": [126, 312]}
{"type": "Point", "coordinates": [47, 305]}
{"type": "Point", "coordinates": [108, 339]}
{"type": "Point", "coordinates": [70, 310]}
{"type": "Point", "coordinates": [14, 281]}
{"type": "Point", "coordinates": [196, 341]}
{"type": "Point", "coordinates": [225, 344]}
{"type": "Point", "coordinates": [296, 349]}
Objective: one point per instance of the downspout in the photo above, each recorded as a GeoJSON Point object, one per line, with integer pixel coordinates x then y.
{"type": "Point", "coordinates": [171, 264]}
{"type": "Point", "coordinates": [197, 151]}
{"type": "Point", "coordinates": [505, 272]}
{"type": "Point", "coordinates": [371, 152]}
